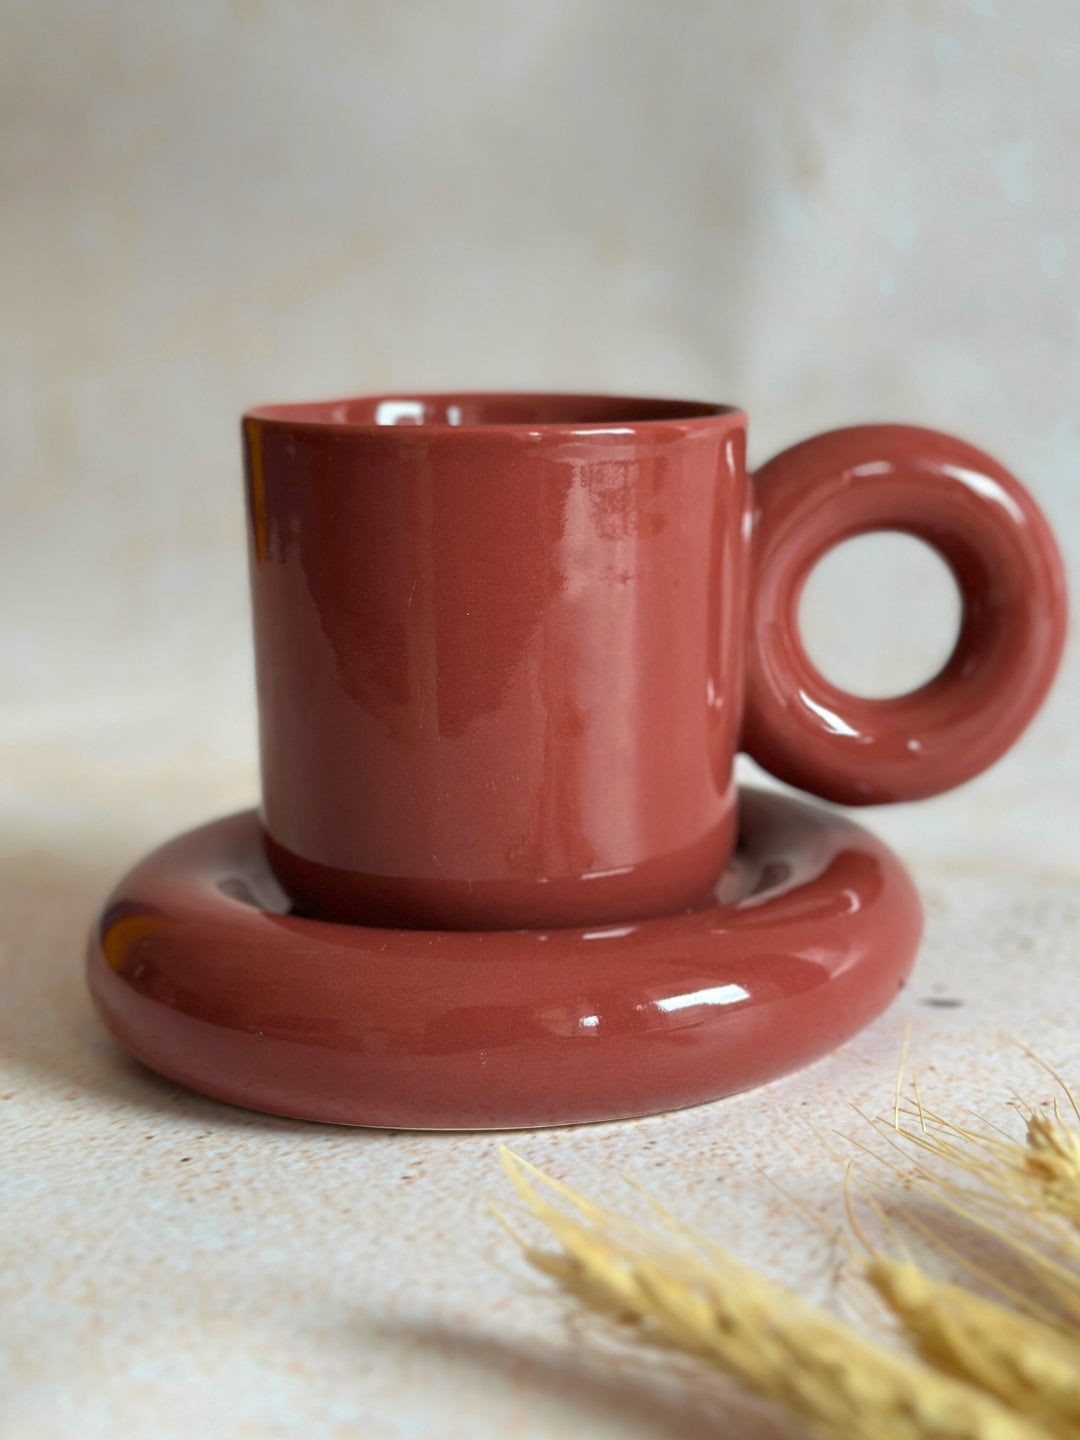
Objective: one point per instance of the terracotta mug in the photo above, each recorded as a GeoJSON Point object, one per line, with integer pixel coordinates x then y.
{"type": "Point", "coordinates": [507, 646]}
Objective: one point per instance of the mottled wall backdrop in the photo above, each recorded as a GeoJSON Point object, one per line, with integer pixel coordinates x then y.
{"type": "Point", "coordinates": [826, 210]}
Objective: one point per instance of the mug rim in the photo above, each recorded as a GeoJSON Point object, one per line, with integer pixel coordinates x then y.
{"type": "Point", "coordinates": [645, 413]}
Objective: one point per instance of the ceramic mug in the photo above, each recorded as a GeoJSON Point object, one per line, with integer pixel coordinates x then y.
{"type": "Point", "coordinates": [507, 646]}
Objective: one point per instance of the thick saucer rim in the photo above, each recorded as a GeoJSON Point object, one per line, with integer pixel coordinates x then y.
{"type": "Point", "coordinates": [474, 1030]}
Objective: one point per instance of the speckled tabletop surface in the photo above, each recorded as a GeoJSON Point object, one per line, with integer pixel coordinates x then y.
{"type": "Point", "coordinates": [824, 211]}
{"type": "Point", "coordinates": [172, 1266]}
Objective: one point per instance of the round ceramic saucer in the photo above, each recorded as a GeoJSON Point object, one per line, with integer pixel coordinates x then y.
{"type": "Point", "coordinates": [199, 969]}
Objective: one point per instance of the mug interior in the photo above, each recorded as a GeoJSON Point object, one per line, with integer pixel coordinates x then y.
{"type": "Point", "coordinates": [473, 409]}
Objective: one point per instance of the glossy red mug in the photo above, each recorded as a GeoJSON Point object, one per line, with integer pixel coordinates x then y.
{"type": "Point", "coordinates": [507, 646]}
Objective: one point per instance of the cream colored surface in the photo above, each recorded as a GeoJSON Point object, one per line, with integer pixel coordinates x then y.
{"type": "Point", "coordinates": [825, 210]}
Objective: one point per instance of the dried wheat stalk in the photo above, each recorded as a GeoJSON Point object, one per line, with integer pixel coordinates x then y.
{"type": "Point", "coordinates": [677, 1289]}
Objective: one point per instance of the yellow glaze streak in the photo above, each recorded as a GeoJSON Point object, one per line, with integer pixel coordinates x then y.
{"type": "Point", "coordinates": [124, 934]}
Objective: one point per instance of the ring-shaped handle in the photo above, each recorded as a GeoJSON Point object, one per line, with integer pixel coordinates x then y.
{"type": "Point", "coordinates": [995, 540]}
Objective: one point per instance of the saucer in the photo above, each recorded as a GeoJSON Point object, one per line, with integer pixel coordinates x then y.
{"type": "Point", "coordinates": [198, 967]}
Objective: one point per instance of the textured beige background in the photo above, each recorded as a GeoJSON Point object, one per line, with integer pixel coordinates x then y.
{"type": "Point", "coordinates": [825, 210]}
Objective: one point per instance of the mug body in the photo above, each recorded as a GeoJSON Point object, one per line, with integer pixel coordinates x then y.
{"type": "Point", "coordinates": [499, 654]}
